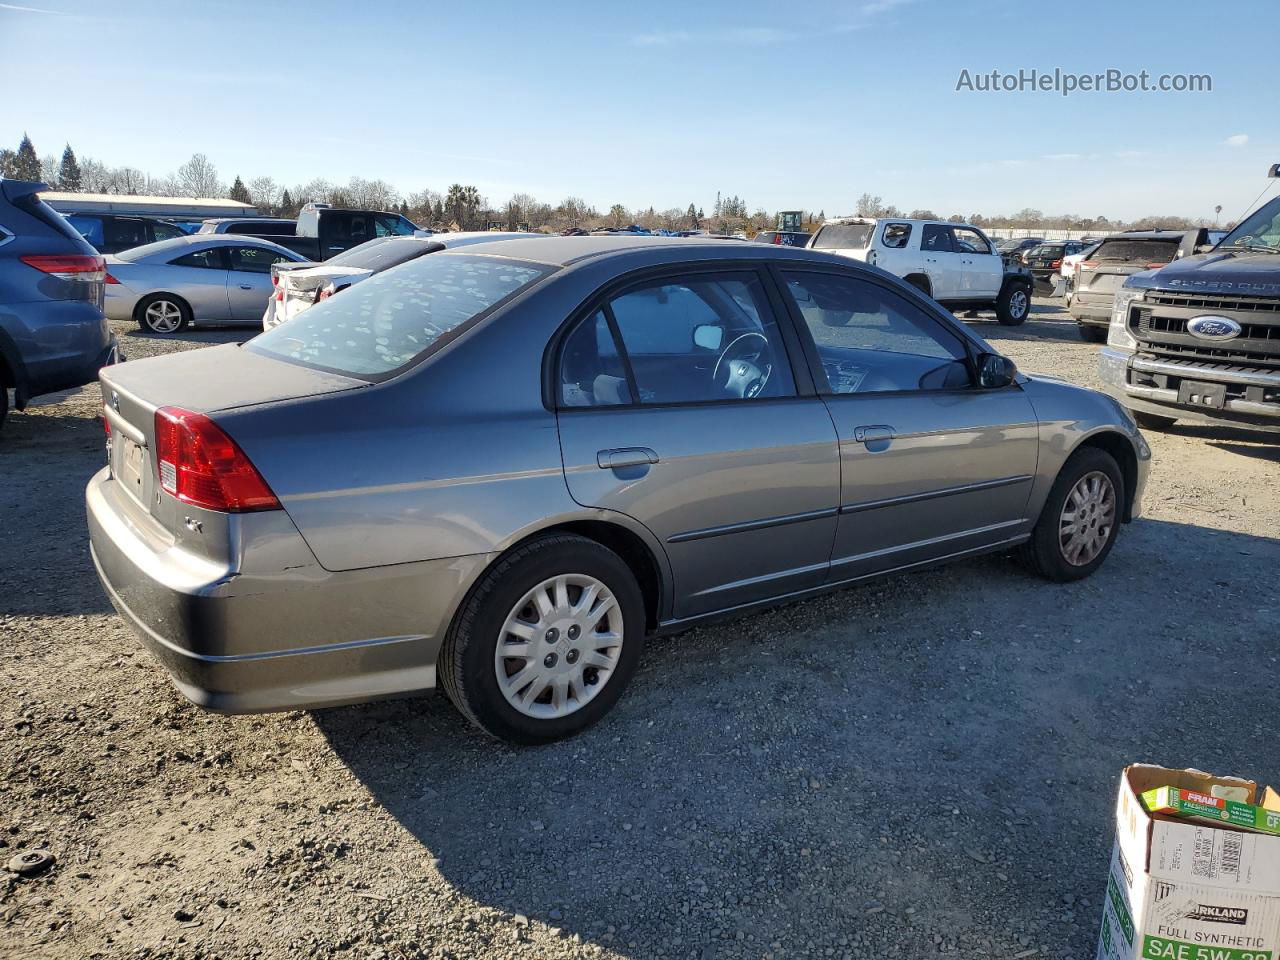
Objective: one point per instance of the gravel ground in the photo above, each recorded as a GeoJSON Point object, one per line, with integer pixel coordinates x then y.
{"type": "Point", "coordinates": [924, 765]}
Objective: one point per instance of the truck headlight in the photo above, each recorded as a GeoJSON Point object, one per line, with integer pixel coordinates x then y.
{"type": "Point", "coordinates": [1118, 334]}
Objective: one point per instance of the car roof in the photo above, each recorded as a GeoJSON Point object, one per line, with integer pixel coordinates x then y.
{"type": "Point", "coordinates": [197, 241]}
{"type": "Point", "coordinates": [1148, 234]}
{"type": "Point", "coordinates": [566, 251]}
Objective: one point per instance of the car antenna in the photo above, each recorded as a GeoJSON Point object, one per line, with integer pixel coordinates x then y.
{"type": "Point", "coordinates": [1272, 174]}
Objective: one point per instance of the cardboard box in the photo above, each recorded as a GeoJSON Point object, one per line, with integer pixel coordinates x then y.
{"type": "Point", "coordinates": [1183, 889]}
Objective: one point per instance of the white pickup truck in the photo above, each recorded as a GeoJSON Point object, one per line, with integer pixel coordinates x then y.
{"type": "Point", "coordinates": [954, 263]}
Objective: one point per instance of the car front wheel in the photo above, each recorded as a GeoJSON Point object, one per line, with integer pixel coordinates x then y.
{"type": "Point", "coordinates": [1080, 519]}
{"type": "Point", "coordinates": [546, 642]}
{"type": "Point", "coordinates": [1013, 305]}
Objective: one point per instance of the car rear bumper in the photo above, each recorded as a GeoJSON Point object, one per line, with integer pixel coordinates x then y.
{"type": "Point", "coordinates": [280, 634]}
{"type": "Point", "coordinates": [1092, 307]}
{"type": "Point", "coordinates": [1114, 372]}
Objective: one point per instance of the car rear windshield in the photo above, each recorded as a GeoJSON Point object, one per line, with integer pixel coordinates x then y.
{"type": "Point", "coordinates": [381, 326]}
{"type": "Point", "coordinates": [383, 252]}
{"type": "Point", "coordinates": [843, 236]}
{"type": "Point", "coordinates": [1148, 250]}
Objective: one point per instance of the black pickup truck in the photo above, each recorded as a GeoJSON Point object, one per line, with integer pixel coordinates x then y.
{"type": "Point", "coordinates": [321, 231]}
{"type": "Point", "coordinates": [1199, 339]}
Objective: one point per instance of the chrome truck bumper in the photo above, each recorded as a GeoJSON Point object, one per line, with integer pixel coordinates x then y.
{"type": "Point", "coordinates": [1116, 369]}
{"type": "Point", "coordinates": [246, 637]}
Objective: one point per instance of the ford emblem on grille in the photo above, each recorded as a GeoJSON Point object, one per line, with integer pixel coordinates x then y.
{"type": "Point", "coordinates": [1209, 327]}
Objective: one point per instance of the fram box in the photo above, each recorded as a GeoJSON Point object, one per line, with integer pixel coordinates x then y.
{"type": "Point", "coordinates": [1187, 890]}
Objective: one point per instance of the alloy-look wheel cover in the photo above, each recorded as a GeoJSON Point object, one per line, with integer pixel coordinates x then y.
{"type": "Point", "coordinates": [1088, 517]}
{"type": "Point", "coordinates": [164, 316]}
{"type": "Point", "coordinates": [1018, 304]}
{"type": "Point", "coordinates": [559, 646]}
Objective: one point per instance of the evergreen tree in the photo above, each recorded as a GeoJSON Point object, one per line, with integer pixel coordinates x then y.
{"type": "Point", "coordinates": [286, 205]}
{"type": "Point", "coordinates": [239, 192]}
{"type": "Point", "coordinates": [26, 165]}
{"type": "Point", "coordinates": [8, 161]}
{"type": "Point", "coordinates": [692, 214]}
{"type": "Point", "coordinates": [69, 173]}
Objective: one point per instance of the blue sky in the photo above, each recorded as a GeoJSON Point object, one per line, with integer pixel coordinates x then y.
{"type": "Point", "coordinates": [789, 105]}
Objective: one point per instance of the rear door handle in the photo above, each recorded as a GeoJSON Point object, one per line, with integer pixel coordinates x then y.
{"type": "Point", "coordinates": [870, 434]}
{"type": "Point", "coordinates": [625, 457]}
{"type": "Point", "coordinates": [246, 286]}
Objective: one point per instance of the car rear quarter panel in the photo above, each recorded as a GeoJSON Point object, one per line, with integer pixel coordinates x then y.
{"type": "Point", "coordinates": [457, 457]}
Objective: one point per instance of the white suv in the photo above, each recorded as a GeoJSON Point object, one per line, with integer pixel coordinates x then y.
{"type": "Point", "coordinates": [952, 262]}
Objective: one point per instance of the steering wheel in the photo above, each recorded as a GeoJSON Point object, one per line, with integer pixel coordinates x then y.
{"type": "Point", "coordinates": [746, 370]}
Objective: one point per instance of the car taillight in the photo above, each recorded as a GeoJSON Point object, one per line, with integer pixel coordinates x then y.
{"type": "Point", "coordinates": [199, 464]}
{"type": "Point", "coordinates": [1087, 263]}
{"type": "Point", "coordinates": [280, 294]}
{"type": "Point", "coordinates": [111, 279]}
{"type": "Point", "coordinates": [1056, 264]}
{"type": "Point", "coordinates": [69, 267]}
{"type": "Point", "coordinates": [1156, 266]}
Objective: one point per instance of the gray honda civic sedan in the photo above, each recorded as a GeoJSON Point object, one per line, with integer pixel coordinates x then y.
{"type": "Point", "coordinates": [501, 468]}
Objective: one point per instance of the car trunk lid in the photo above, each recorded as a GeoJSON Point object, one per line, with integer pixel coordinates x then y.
{"type": "Point", "coordinates": [208, 381]}
{"type": "Point", "coordinates": [1107, 267]}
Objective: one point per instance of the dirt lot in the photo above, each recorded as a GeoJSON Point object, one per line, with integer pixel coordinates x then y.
{"type": "Point", "coordinates": [925, 765]}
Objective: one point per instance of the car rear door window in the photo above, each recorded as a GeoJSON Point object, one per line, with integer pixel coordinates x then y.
{"type": "Point", "coordinates": [873, 340]}
{"type": "Point", "coordinates": [121, 233]}
{"type": "Point", "coordinates": [210, 258]}
{"type": "Point", "coordinates": [591, 370]}
{"type": "Point", "coordinates": [936, 238]}
{"type": "Point", "coordinates": [701, 339]}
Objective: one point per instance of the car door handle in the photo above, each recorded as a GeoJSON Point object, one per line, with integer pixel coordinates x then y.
{"type": "Point", "coordinates": [870, 434]}
{"type": "Point", "coordinates": [246, 286]}
{"type": "Point", "coordinates": [625, 457]}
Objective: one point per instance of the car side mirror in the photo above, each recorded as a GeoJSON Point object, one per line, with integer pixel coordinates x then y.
{"type": "Point", "coordinates": [1205, 248]}
{"type": "Point", "coordinates": [708, 336]}
{"type": "Point", "coordinates": [995, 371]}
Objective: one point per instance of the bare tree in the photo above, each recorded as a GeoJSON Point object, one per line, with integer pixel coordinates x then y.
{"type": "Point", "coordinates": [198, 177]}
{"type": "Point", "coordinates": [265, 193]}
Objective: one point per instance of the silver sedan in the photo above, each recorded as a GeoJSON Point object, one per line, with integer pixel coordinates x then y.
{"type": "Point", "coordinates": [165, 286]}
{"type": "Point", "coordinates": [499, 469]}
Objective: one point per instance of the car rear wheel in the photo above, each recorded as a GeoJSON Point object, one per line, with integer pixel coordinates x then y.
{"type": "Point", "coordinates": [1153, 421]}
{"type": "Point", "coordinates": [1080, 519]}
{"type": "Point", "coordinates": [162, 313]}
{"type": "Point", "coordinates": [546, 642]}
{"type": "Point", "coordinates": [1090, 333]}
{"type": "Point", "coordinates": [1013, 305]}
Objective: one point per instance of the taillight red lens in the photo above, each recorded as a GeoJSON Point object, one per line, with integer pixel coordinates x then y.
{"type": "Point", "coordinates": [111, 279]}
{"type": "Point", "coordinates": [199, 464]}
{"type": "Point", "coordinates": [1088, 263]}
{"type": "Point", "coordinates": [70, 266]}
{"type": "Point", "coordinates": [1056, 264]}
{"type": "Point", "coordinates": [280, 294]}
{"type": "Point", "coordinates": [1157, 266]}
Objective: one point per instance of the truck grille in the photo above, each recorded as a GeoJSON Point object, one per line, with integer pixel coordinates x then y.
{"type": "Point", "coordinates": [1159, 323]}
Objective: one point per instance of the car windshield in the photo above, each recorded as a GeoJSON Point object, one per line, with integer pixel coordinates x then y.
{"type": "Point", "coordinates": [1262, 229]}
{"type": "Point", "coordinates": [383, 252]}
{"type": "Point", "coordinates": [393, 319]}
{"type": "Point", "coordinates": [843, 236]}
{"type": "Point", "coordinates": [1146, 249]}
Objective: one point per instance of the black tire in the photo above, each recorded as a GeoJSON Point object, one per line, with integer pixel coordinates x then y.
{"type": "Point", "coordinates": [140, 313]}
{"type": "Point", "coordinates": [467, 658]}
{"type": "Point", "coordinates": [1013, 305]}
{"type": "Point", "coordinates": [1091, 333]}
{"type": "Point", "coordinates": [1043, 553]}
{"type": "Point", "coordinates": [1153, 421]}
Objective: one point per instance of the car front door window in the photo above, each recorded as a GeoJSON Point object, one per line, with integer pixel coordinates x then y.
{"type": "Point", "coordinates": [873, 340]}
